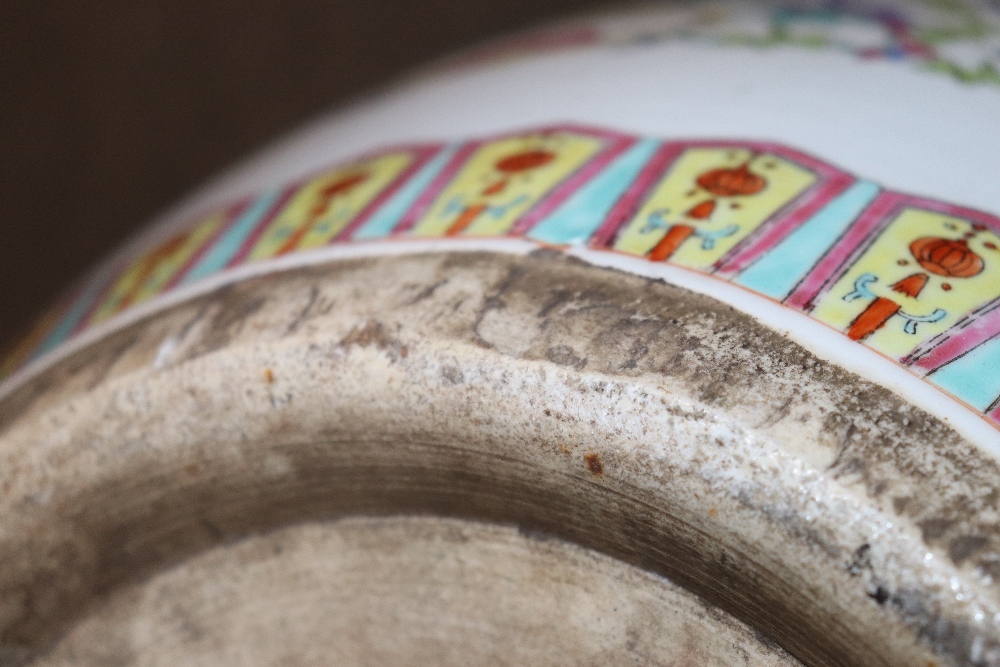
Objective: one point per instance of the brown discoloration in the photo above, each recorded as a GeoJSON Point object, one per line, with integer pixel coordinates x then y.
{"type": "Point", "coordinates": [564, 356]}
{"type": "Point", "coordinates": [372, 333]}
{"type": "Point", "coordinates": [494, 302]}
{"type": "Point", "coordinates": [233, 308]}
{"type": "Point", "coordinates": [114, 354]}
{"type": "Point", "coordinates": [639, 366]}
{"type": "Point", "coordinates": [594, 464]}
{"type": "Point", "coordinates": [316, 305]}
{"type": "Point", "coordinates": [964, 547]}
{"type": "Point", "coordinates": [934, 528]}
{"type": "Point", "coordinates": [426, 292]}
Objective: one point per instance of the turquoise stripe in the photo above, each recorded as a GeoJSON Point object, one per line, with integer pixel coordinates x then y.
{"type": "Point", "coordinates": [81, 306]}
{"type": "Point", "coordinates": [387, 217]}
{"type": "Point", "coordinates": [778, 272]}
{"type": "Point", "coordinates": [576, 220]}
{"type": "Point", "coordinates": [975, 377]}
{"type": "Point", "coordinates": [225, 248]}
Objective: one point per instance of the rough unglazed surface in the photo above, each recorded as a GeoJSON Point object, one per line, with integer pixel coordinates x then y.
{"type": "Point", "coordinates": [627, 415]}
{"type": "Point", "coordinates": [409, 591]}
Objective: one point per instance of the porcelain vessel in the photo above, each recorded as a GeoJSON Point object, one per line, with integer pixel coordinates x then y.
{"type": "Point", "coordinates": [663, 336]}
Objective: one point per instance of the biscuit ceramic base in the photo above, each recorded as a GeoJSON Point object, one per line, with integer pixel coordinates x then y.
{"type": "Point", "coordinates": [653, 425]}
{"type": "Point", "coordinates": [409, 591]}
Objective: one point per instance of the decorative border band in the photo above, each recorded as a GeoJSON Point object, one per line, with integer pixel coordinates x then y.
{"type": "Point", "coordinates": [913, 279]}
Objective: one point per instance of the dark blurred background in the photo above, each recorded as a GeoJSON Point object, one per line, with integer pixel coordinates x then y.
{"type": "Point", "coordinates": [111, 110]}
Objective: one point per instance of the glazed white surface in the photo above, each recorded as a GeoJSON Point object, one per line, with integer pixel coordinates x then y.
{"type": "Point", "coordinates": [910, 130]}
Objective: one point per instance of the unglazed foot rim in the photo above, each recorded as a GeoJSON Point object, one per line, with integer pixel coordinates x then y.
{"type": "Point", "coordinates": [661, 338]}
{"type": "Point", "coordinates": [626, 415]}
{"type": "Point", "coordinates": [409, 590]}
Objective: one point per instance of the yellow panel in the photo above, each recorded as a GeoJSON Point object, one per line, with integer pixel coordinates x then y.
{"type": "Point", "coordinates": [890, 260]}
{"type": "Point", "coordinates": [491, 200]}
{"type": "Point", "coordinates": [326, 204]}
{"type": "Point", "coordinates": [148, 275]}
{"type": "Point", "coordinates": [733, 217]}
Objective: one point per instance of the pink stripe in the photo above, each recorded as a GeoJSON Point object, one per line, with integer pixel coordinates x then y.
{"type": "Point", "coordinates": [234, 212]}
{"type": "Point", "coordinates": [292, 189]}
{"type": "Point", "coordinates": [835, 262]}
{"type": "Point", "coordinates": [577, 128]}
{"type": "Point", "coordinates": [789, 218]}
{"type": "Point", "coordinates": [66, 302]}
{"type": "Point", "coordinates": [636, 194]}
{"type": "Point", "coordinates": [109, 281]}
{"type": "Point", "coordinates": [125, 264]}
{"type": "Point", "coordinates": [264, 223]}
{"type": "Point", "coordinates": [874, 219]}
{"type": "Point", "coordinates": [656, 169]}
{"type": "Point", "coordinates": [995, 415]}
{"type": "Point", "coordinates": [961, 338]}
{"type": "Point", "coordinates": [813, 164]}
{"type": "Point", "coordinates": [564, 190]}
{"type": "Point", "coordinates": [424, 202]}
{"type": "Point", "coordinates": [990, 221]}
{"type": "Point", "coordinates": [422, 155]}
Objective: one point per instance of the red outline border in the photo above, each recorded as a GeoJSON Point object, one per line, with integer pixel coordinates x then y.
{"type": "Point", "coordinates": [617, 143]}
{"type": "Point", "coordinates": [422, 155]}
{"type": "Point", "coordinates": [830, 183]}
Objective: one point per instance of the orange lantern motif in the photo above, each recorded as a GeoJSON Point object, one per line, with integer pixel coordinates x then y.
{"type": "Point", "coordinates": [149, 264]}
{"type": "Point", "coordinates": [947, 257]}
{"type": "Point", "coordinates": [508, 166]}
{"type": "Point", "coordinates": [736, 181]}
{"type": "Point", "coordinates": [524, 161]}
{"type": "Point", "coordinates": [950, 258]}
{"type": "Point", "coordinates": [731, 182]}
{"type": "Point", "coordinates": [325, 197]}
